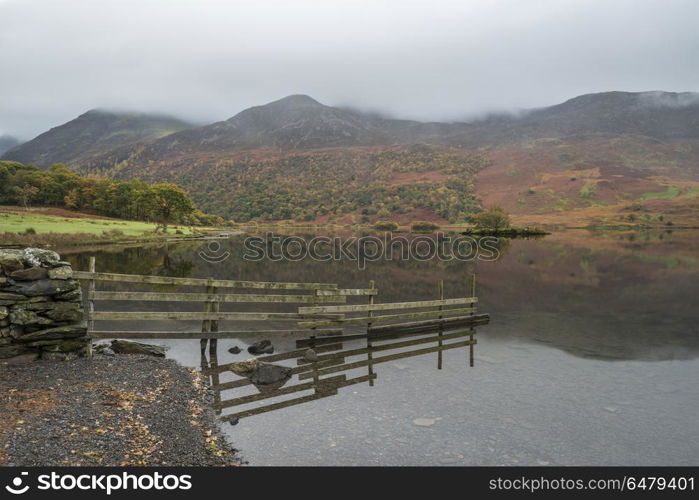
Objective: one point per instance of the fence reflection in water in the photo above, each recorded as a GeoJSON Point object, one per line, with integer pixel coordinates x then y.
{"type": "Point", "coordinates": [333, 358]}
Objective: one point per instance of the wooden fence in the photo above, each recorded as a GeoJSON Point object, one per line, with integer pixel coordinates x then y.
{"type": "Point", "coordinates": [212, 297]}
{"type": "Point", "coordinates": [321, 315]}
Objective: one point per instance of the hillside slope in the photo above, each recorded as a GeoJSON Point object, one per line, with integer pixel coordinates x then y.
{"type": "Point", "coordinates": [93, 133]}
{"type": "Point", "coordinates": [597, 158]}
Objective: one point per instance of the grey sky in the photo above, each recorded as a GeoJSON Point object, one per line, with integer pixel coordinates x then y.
{"type": "Point", "coordinates": [206, 60]}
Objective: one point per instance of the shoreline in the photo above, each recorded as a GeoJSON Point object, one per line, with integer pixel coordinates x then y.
{"type": "Point", "coordinates": [123, 410]}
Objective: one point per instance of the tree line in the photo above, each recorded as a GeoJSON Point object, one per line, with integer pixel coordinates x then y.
{"type": "Point", "coordinates": [61, 187]}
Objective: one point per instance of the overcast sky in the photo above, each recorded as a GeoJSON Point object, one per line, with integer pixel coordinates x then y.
{"type": "Point", "coordinates": [206, 60]}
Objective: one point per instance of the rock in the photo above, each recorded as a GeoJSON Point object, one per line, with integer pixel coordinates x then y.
{"type": "Point", "coordinates": [43, 287]}
{"type": "Point", "coordinates": [60, 273]}
{"type": "Point", "coordinates": [261, 347]}
{"type": "Point", "coordinates": [72, 296]}
{"type": "Point", "coordinates": [235, 350]}
{"type": "Point", "coordinates": [5, 331]}
{"type": "Point", "coordinates": [11, 260]}
{"type": "Point", "coordinates": [262, 374]}
{"type": "Point", "coordinates": [59, 332]}
{"type": "Point", "coordinates": [310, 355]}
{"type": "Point", "coordinates": [30, 274]}
{"type": "Point", "coordinates": [4, 312]}
{"type": "Point", "coordinates": [4, 322]}
{"type": "Point", "coordinates": [59, 356]}
{"type": "Point", "coordinates": [27, 357]}
{"type": "Point", "coordinates": [65, 311]}
{"type": "Point", "coordinates": [38, 257]}
{"type": "Point", "coordinates": [128, 347]}
{"type": "Point", "coordinates": [10, 298]}
{"type": "Point", "coordinates": [11, 351]}
{"type": "Point", "coordinates": [64, 346]}
{"type": "Point", "coordinates": [16, 331]}
{"type": "Point", "coordinates": [424, 422]}
{"type": "Point", "coordinates": [245, 368]}
{"type": "Point", "coordinates": [234, 420]}
{"type": "Point", "coordinates": [103, 349]}
{"type": "Point", "coordinates": [267, 374]}
{"type": "Point", "coordinates": [21, 316]}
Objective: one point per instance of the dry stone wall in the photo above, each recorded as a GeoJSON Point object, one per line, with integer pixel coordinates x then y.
{"type": "Point", "coordinates": [41, 310]}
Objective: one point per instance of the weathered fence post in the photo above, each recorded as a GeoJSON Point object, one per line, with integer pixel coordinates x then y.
{"type": "Point", "coordinates": [370, 365]}
{"type": "Point", "coordinates": [90, 306]}
{"type": "Point", "coordinates": [440, 296]}
{"type": "Point", "coordinates": [211, 326]}
{"type": "Point", "coordinates": [473, 295]}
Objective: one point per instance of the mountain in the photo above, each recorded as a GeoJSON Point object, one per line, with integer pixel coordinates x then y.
{"type": "Point", "coordinates": [661, 115]}
{"type": "Point", "coordinates": [295, 122]}
{"type": "Point", "coordinates": [7, 142]}
{"type": "Point", "coordinates": [93, 133]}
{"type": "Point", "coordinates": [594, 159]}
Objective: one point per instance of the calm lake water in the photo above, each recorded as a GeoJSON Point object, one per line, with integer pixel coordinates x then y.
{"type": "Point", "coordinates": [590, 357]}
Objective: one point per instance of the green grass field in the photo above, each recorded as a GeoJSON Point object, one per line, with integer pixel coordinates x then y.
{"type": "Point", "coordinates": [19, 222]}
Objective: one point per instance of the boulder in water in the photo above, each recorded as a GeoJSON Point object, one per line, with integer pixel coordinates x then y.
{"type": "Point", "coordinates": [261, 347]}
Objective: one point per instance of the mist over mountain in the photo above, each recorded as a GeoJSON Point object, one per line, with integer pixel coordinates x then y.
{"type": "Point", "coordinates": [7, 142]}
{"type": "Point", "coordinates": [94, 132]}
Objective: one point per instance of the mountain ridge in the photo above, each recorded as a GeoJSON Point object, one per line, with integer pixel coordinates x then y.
{"type": "Point", "coordinates": [94, 132]}
{"type": "Point", "coordinates": [296, 158]}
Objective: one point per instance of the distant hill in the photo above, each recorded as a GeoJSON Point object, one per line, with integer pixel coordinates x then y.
{"type": "Point", "coordinates": [597, 156]}
{"type": "Point", "coordinates": [7, 142]}
{"type": "Point", "coordinates": [93, 133]}
{"type": "Point", "coordinates": [661, 115]}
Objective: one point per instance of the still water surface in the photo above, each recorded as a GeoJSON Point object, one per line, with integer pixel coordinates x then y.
{"type": "Point", "coordinates": [590, 357]}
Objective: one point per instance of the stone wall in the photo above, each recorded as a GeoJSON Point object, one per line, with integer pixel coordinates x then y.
{"type": "Point", "coordinates": [41, 311]}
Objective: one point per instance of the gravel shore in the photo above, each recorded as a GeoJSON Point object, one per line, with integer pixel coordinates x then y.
{"type": "Point", "coordinates": [121, 410]}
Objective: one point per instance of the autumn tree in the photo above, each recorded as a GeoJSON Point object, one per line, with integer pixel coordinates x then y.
{"type": "Point", "coordinates": [493, 219]}
{"type": "Point", "coordinates": [171, 204]}
{"type": "Point", "coordinates": [25, 194]}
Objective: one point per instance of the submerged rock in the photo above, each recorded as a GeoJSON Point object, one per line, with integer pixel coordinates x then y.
{"type": "Point", "coordinates": [261, 347]}
{"type": "Point", "coordinates": [128, 347]}
{"type": "Point", "coordinates": [310, 355]}
{"type": "Point", "coordinates": [424, 422]}
{"type": "Point", "coordinates": [235, 350]}
{"type": "Point", "coordinates": [262, 374]}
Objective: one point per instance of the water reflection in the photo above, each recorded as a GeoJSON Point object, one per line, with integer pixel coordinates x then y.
{"type": "Point", "coordinates": [606, 296]}
{"type": "Point", "coordinates": [318, 368]}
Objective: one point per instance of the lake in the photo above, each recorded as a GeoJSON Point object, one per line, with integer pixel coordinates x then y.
{"type": "Point", "coordinates": [590, 356]}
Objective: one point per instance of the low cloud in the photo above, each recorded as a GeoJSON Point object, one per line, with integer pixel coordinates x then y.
{"type": "Point", "coordinates": [206, 60]}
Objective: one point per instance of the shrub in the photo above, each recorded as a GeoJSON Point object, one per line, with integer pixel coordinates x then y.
{"type": "Point", "coordinates": [385, 225]}
{"type": "Point", "coordinates": [30, 230]}
{"type": "Point", "coordinates": [423, 226]}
